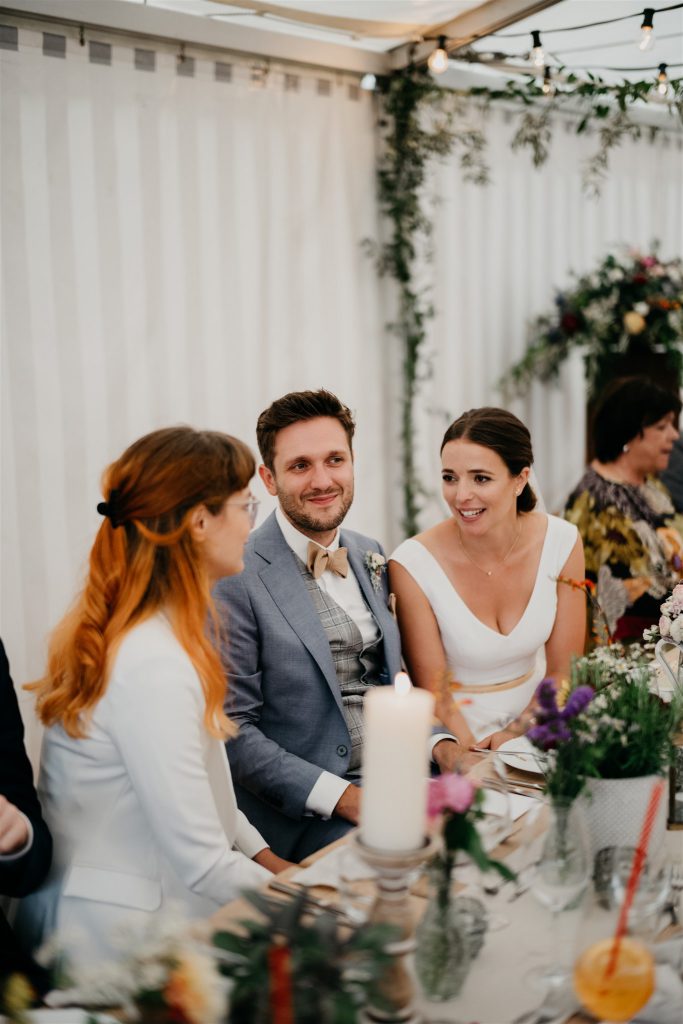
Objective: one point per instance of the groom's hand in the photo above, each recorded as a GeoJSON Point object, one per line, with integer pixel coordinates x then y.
{"type": "Point", "coordinates": [348, 805]}
{"type": "Point", "coordinates": [450, 756]}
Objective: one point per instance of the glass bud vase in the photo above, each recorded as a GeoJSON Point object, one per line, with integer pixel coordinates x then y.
{"type": "Point", "coordinates": [449, 935]}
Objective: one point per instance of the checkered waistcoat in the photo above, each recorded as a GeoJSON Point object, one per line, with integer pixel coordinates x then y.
{"type": "Point", "coordinates": [357, 667]}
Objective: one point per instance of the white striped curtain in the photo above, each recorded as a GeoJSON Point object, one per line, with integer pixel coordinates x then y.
{"type": "Point", "coordinates": [174, 249]}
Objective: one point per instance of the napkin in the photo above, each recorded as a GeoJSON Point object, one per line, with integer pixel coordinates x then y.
{"type": "Point", "coordinates": [327, 870]}
{"type": "Point", "coordinates": [494, 803]}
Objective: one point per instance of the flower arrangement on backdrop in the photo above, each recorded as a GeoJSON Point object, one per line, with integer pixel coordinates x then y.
{"type": "Point", "coordinates": [670, 625]}
{"type": "Point", "coordinates": [630, 299]}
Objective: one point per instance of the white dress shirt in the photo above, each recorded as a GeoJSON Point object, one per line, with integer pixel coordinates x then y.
{"type": "Point", "coordinates": [346, 592]}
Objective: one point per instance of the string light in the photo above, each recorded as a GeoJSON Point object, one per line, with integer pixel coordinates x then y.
{"type": "Point", "coordinates": [548, 87]}
{"type": "Point", "coordinates": [368, 82]}
{"type": "Point", "coordinates": [647, 37]}
{"type": "Point", "coordinates": [662, 81]}
{"type": "Point", "coordinates": [537, 54]}
{"type": "Point", "coordinates": [438, 58]}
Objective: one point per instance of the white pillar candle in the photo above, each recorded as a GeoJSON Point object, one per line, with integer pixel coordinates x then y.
{"type": "Point", "coordinates": [395, 765]}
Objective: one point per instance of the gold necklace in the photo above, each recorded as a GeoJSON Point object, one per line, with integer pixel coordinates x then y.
{"type": "Point", "coordinates": [489, 572]}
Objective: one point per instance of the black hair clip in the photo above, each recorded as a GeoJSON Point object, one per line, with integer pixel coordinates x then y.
{"type": "Point", "coordinates": [110, 509]}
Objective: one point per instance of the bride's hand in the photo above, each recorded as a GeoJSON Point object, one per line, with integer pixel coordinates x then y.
{"type": "Point", "coordinates": [498, 738]}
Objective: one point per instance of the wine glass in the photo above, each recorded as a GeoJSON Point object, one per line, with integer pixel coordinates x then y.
{"type": "Point", "coordinates": [652, 893]}
{"type": "Point", "coordinates": [560, 878]}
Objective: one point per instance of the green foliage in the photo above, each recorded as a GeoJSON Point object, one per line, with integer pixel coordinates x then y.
{"type": "Point", "coordinates": [627, 731]}
{"type": "Point", "coordinates": [635, 300]}
{"type": "Point", "coordinates": [333, 971]}
{"type": "Point", "coordinates": [419, 121]}
{"type": "Point", "coordinates": [606, 104]}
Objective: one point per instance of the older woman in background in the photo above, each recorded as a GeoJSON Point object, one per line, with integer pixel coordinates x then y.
{"type": "Point", "coordinates": [632, 536]}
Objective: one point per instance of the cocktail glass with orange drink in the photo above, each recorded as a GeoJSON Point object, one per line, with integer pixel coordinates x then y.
{"type": "Point", "coordinates": [614, 978]}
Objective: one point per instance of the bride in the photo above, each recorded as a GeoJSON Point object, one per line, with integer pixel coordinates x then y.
{"type": "Point", "coordinates": [478, 597]}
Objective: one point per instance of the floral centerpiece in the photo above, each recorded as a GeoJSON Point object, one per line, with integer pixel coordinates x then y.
{"type": "Point", "coordinates": [161, 975]}
{"type": "Point", "coordinates": [608, 735]}
{"type": "Point", "coordinates": [451, 930]}
{"type": "Point", "coordinates": [630, 299]}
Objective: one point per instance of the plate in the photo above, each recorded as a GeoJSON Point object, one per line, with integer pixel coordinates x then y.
{"type": "Point", "coordinates": [518, 756]}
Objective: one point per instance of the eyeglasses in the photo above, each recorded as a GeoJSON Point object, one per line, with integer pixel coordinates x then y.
{"type": "Point", "coordinates": [250, 507]}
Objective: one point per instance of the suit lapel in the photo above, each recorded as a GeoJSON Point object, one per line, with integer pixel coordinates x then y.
{"type": "Point", "coordinates": [356, 557]}
{"type": "Point", "coordinates": [284, 583]}
{"type": "Point", "coordinates": [376, 602]}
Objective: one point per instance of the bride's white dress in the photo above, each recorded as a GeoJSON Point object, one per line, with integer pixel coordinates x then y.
{"type": "Point", "coordinates": [479, 655]}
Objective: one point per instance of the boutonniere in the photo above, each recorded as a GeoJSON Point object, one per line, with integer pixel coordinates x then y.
{"type": "Point", "coordinates": [376, 564]}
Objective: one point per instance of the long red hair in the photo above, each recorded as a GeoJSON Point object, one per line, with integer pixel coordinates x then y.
{"type": "Point", "coordinates": [144, 559]}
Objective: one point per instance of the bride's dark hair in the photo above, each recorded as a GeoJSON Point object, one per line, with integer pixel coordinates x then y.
{"type": "Point", "coordinates": [505, 435]}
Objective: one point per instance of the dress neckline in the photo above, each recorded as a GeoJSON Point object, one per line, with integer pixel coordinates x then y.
{"type": "Point", "coordinates": [484, 625]}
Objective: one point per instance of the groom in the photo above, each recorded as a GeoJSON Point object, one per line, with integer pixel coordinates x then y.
{"type": "Point", "coordinates": [309, 632]}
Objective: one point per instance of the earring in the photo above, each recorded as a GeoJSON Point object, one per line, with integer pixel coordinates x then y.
{"type": "Point", "coordinates": [625, 448]}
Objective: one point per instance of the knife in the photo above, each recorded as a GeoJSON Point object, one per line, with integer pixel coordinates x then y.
{"type": "Point", "coordinates": [517, 783]}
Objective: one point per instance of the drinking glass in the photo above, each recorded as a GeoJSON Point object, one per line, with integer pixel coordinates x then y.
{"type": "Point", "coordinates": [614, 978]}
{"type": "Point", "coordinates": [560, 878]}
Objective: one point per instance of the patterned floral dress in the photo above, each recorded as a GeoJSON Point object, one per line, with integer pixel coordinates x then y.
{"type": "Point", "coordinates": [633, 542]}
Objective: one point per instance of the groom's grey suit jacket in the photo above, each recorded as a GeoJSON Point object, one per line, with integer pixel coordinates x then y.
{"type": "Point", "coordinates": [283, 692]}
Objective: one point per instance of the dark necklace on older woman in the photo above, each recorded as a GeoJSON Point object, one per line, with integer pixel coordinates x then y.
{"type": "Point", "coordinates": [503, 560]}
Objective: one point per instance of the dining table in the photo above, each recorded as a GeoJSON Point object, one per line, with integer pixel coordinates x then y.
{"type": "Point", "coordinates": [496, 989]}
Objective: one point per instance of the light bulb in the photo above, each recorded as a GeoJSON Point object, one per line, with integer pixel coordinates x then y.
{"type": "Point", "coordinates": [647, 36]}
{"type": "Point", "coordinates": [537, 54]}
{"type": "Point", "coordinates": [662, 81]}
{"type": "Point", "coordinates": [368, 82]}
{"type": "Point", "coordinates": [548, 87]}
{"type": "Point", "coordinates": [438, 58]}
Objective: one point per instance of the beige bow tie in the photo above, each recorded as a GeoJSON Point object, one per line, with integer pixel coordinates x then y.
{"type": "Point", "coordinates": [318, 560]}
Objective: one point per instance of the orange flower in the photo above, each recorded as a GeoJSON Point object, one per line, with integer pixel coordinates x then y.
{"type": "Point", "coordinates": [194, 991]}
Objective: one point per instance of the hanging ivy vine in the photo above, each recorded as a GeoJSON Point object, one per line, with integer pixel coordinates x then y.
{"type": "Point", "coordinates": [419, 120]}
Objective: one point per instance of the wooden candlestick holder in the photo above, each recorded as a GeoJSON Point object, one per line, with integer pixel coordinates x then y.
{"type": "Point", "coordinates": [392, 906]}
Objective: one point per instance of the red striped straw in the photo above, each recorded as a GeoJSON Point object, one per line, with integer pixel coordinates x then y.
{"type": "Point", "coordinates": [636, 871]}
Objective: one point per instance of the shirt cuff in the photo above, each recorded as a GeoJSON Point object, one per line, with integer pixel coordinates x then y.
{"type": "Point", "coordinates": [436, 738]}
{"type": "Point", "coordinates": [4, 857]}
{"type": "Point", "coordinates": [325, 794]}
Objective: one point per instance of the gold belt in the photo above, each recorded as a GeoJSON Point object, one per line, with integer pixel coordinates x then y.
{"type": "Point", "coordinates": [492, 687]}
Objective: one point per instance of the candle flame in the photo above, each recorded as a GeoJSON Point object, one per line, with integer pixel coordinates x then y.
{"type": "Point", "coordinates": [402, 683]}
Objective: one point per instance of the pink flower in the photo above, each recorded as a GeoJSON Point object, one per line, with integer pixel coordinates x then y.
{"type": "Point", "coordinates": [664, 626]}
{"type": "Point", "coordinates": [449, 792]}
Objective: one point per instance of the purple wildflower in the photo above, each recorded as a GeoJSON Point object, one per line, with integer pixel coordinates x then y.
{"type": "Point", "coordinates": [577, 701]}
{"type": "Point", "coordinates": [547, 735]}
{"type": "Point", "coordinates": [546, 696]}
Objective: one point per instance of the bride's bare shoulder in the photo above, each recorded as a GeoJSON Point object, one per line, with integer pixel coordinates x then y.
{"type": "Point", "coordinates": [436, 537]}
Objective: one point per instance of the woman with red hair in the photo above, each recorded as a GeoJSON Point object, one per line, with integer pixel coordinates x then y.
{"type": "Point", "coordinates": [134, 778]}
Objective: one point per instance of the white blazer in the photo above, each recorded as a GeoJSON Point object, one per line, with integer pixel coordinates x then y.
{"type": "Point", "coordinates": [142, 810]}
